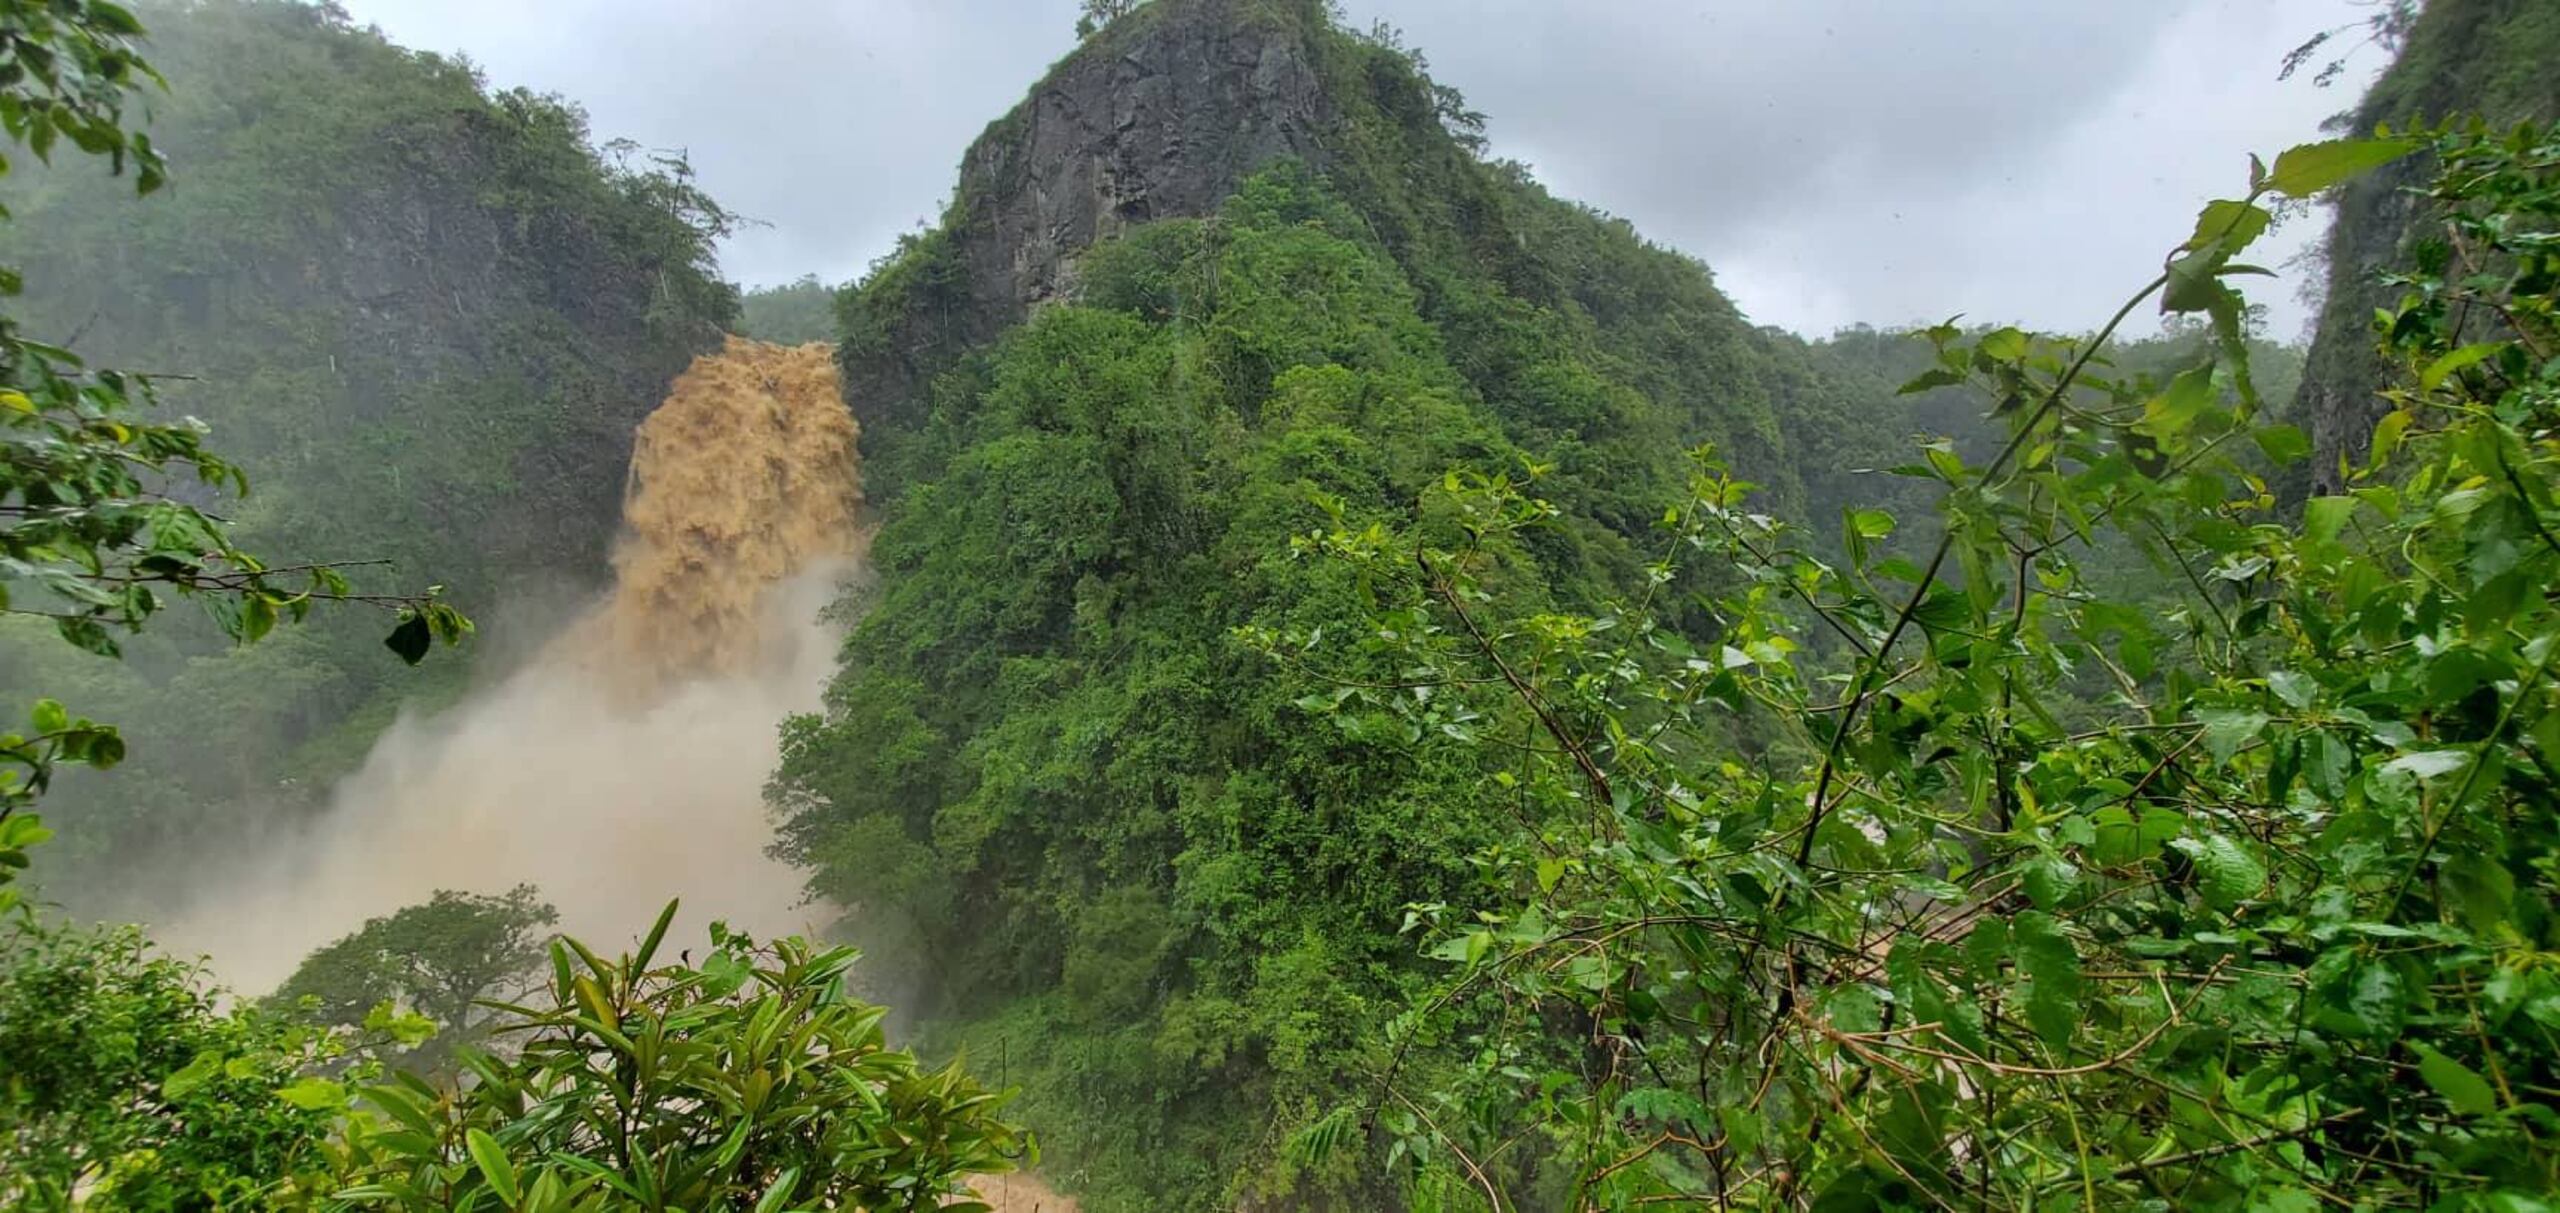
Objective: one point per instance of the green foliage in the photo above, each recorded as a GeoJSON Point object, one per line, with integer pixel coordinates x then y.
{"type": "Point", "coordinates": [124, 1083]}
{"type": "Point", "coordinates": [751, 1081]}
{"type": "Point", "coordinates": [421, 315]}
{"type": "Point", "coordinates": [2232, 895]}
{"type": "Point", "coordinates": [1050, 772]}
{"type": "Point", "coordinates": [93, 531]}
{"type": "Point", "coordinates": [1097, 14]}
{"type": "Point", "coordinates": [70, 68]}
{"type": "Point", "coordinates": [2387, 26]}
{"type": "Point", "coordinates": [1050, 720]}
{"type": "Point", "coordinates": [2456, 57]}
{"type": "Point", "coordinates": [792, 314]}
{"type": "Point", "coordinates": [441, 959]}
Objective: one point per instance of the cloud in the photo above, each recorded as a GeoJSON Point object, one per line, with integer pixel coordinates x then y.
{"type": "Point", "coordinates": [1849, 160]}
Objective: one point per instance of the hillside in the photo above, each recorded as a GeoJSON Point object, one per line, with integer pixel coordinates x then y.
{"type": "Point", "coordinates": [1265, 662]}
{"type": "Point", "coordinates": [1229, 271]}
{"type": "Point", "coordinates": [2460, 58]}
{"type": "Point", "coordinates": [425, 317]}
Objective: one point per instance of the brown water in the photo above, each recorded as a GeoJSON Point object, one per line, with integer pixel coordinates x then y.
{"type": "Point", "coordinates": [623, 764]}
{"type": "Point", "coordinates": [744, 478]}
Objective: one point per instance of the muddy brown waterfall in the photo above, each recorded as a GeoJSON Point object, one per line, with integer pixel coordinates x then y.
{"type": "Point", "coordinates": [745, 478]}
{"type": "Point", "coordinates": [623, 764]}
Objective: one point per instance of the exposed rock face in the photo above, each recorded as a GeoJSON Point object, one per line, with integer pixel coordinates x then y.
{"type": "Point", "coordinates": [2338, 400]}
{"type": "Point", "coordinates": [1163, 122]}
{"type": "Point", "coordinates": [504, 353]}
{"type": "Point", "coordinates": [1162, 116]}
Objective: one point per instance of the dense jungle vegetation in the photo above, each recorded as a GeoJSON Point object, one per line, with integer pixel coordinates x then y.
{"type": "Point", "coordinates": [792, 314]}
{"type": "Point", "coordinates": [424, 315]}
{"type": "Point", "coordinates": [125, 1082]}
{"type": "Point", "coordinates": [1155, 882]}
{"type": "Point", "coordinates": [1388, 693]}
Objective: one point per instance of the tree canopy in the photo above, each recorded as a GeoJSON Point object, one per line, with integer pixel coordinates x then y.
{"type": "Point", "coordinates": [125, 1083]}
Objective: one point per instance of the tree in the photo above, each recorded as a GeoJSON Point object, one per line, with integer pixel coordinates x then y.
{"type": "Point", "coordinates": [754, 1080]}
{"type": "Point", "coordinates": [94, 528]}
{"type": "Point", "coordinates": [123, 1082]}
{"type": "Point", "coordinates": [2386, 26]}
{"type": "Point", "coordinates": [2128, 840]}
{"type": "Point", "coordinates": [1099, 14]}
{"type": "Point", "coordinates": [792, 314]}
{"type": "Point", "coordinates": [441, 959]}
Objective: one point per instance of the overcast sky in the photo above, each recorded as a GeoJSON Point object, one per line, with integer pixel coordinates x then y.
{"type": "Point", "coordinates": [1835, 161]}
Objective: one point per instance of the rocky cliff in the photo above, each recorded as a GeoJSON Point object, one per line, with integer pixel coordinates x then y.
{"type": "Point", "coordinates": [1164, 112]}
{"type": "Point", "coordinates": [1161, 120]}
{"type": "Point", "coordinates": [1158, 117]}
{"type": "Point", "coordinates": [426, 316]}
{"type": "Point", "coordinates": [2493, 58]}
{"type": "Point", "coordinates": [423, 316]}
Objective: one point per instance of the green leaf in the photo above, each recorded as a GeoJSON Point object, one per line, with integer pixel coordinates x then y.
{"type": "Point", "coordinates": [723, 974]}
{"type": "Point", "coordinates": [2481, 888]}
{"type": "Point", "coordinates": [194, 1074]}
{"type": "Point", "coordinates": [2461, 1086]}
{"type": "Point", "coordinates": [2283, 444]}
{"type": "Point", "coordinates": [2192, 284]}
{"type": "Point", "coordinates": [2050, 880]}
{"type": "Point", "coordinates": [2051, 966]}
{"type": "Point", "coordinates": [410, 639]}
{"type": "Point", "coordinates": [2175, 411]}
{"type": "Point", "coordinates": [2323, 518]}
{"type": "Point", "coordinates": [2449, 365]}
{"type": "Point", "coordinates": [114, 19]}
{"type": "Point", "coordinates": [314, 1094]}
{"type": "Point", "coordinates": [1934, 377]}
{"type": "Point", "coordinates": [2312, 167]}
{"type": "Point", "coordinates": [2284, 1200]}
{"type": "Point", "coordinates": [257, 618]}
{"type": "Point", "coordinates": [2371, 1002]}
{"type": "Point", "coordinates": [2388, 432]}
{"type": "Point", "coordinates": [2230, 224]}
{"type": "Point", "coordinates": [2226, 730]}
{"type": "Point", "coordinates": [779, 1194]}
{"type": "Point", "coordinates": [408, 1028]}
{"type": "Point", "coordinates": [21, 830]}
{"type": "Point", "coordinates": [2429, 764]}
{"type": "Point", "coordinates": [2226, 873]}
{"type": "Point", "coordinates": [49, 717]}
{"type": "Point", "coordinates": [2295, 688]}
{"type": "Point", "coordinates": [657, 935]}
{"type": "Point", "coordinates": [493, 1164]}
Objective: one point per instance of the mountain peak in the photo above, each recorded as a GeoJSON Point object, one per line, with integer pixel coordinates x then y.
{"type": "Point", "coordinates": [1162, 114]}
{"type": "Point", "coordinates": [1159, 116]}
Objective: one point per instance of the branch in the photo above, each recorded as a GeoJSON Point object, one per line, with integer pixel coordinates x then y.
{"type": "Point", "coordinates": [1582, 759]}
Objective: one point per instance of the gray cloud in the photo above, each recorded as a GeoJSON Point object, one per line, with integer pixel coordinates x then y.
{"type": "Point", "coordinates": [1847, 160]}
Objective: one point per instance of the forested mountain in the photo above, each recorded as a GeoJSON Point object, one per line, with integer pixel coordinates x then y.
{"type": "Point", "coordinates": [790, 314]}
{"type": "Point", "coordinates": [1228, 274]}
{"type": "Point", "coordinates": [1600, 351]}
{"type": "Point", "coordinates": [1355, 683]}
{"type": "Point", "coordinates": [425, 316]}
{"type": "Point", "coordinates": [2458, 59]}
